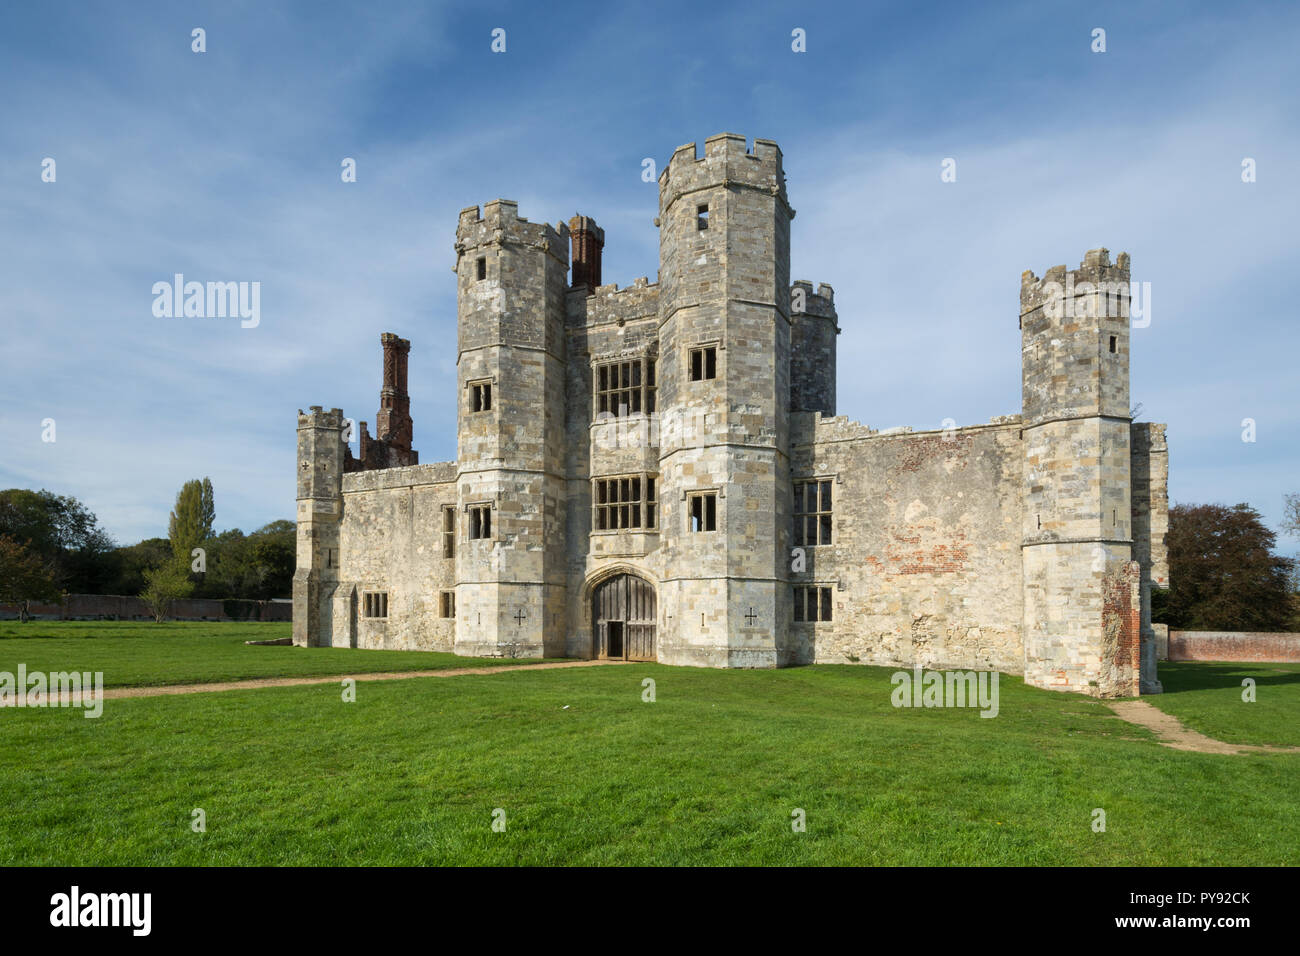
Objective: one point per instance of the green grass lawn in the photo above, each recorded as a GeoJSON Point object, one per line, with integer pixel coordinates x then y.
{"type": "Point", "coordinates": [709, 773]}
{"type": "Point", "coordinates": [1206, 696]}
{"type": "Point", "coordinates": [137, 654]}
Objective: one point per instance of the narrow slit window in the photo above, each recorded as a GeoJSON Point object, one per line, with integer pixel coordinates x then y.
{"type": "Point", "coordinates": [702, 217]}
{"type": "Point", "coordinates": [481, 267]}
{"type": "Point", "coordinates": [449, 531]}
{"type": "Point", "coordinates": [1114, 344]}
{"type": "Point", "coordinates": [447, 605]}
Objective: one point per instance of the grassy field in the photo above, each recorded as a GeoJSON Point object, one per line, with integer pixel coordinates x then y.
{"type": "Point", "coordinates": [1206, 695]}
{"type": "Point", "coordinates": [136, 654]}
{"type": "Point", "coordinates": [586, 772]}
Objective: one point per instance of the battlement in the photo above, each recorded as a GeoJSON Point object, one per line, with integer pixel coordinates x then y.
{"type": "Point", "coordinates": [820, 303]}
{"type": "Point", "coordinates": [609, 303]}
{"type": "Point", "coordinates": [815, 428]}
{"type": "Point", "coordinates": [500, 222]}
{"type": "Point", "coordinates": [727, 160]}
{"type": "Point", "coordinates": [318, 418]}
{"type": "Point", "coordinates": [1095, 274]}
{"type": "Point", "coordinates": [408, 476]}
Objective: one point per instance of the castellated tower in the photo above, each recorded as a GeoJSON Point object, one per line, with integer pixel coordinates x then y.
{"type": "Point", "coordinates": [658, 472]}
{"type": "Point", "coordinates": [1082, 601]}
{"type": "Point", "coordinates": [724, 380]}
{"type": "Point", "coordinates": [511, 279]}
{"type": "Point", "coordinates": [321, 451]}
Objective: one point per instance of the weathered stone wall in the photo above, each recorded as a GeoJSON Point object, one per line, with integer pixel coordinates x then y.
{"type": "Point", "coordinates": [1253, 646]}
{"type": "Point", "coordinates": [924, 563]}
{"type": "Point", "coordinates": [391, 541]}
{"type": "Point", "coordinates": [1150, 527]}
{"type": "Point", "coordinates": [610, 325]}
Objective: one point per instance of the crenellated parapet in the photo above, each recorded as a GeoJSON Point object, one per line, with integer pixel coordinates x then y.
{"type": "Point", "coordinates": [498, 223]}
{"type": "Point", "coordinates": [610, 304]}
{"type": "Point", "coordinates": [727, 161]}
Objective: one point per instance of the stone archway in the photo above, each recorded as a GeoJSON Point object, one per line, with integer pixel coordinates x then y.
{"type": "Point", "coordinates": [623, 618]}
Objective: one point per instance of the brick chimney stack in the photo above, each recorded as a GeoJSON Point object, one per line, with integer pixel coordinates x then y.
{"type": "Point", "coordinates": [587, 239]}
{"type": "Point", "coordinates": [393, 423]}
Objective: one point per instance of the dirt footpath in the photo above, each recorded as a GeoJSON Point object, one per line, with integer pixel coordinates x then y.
{"type": "Point", "coordinates": [1173, 733]}
{"type": "Point", "coordinates": [115, 693]}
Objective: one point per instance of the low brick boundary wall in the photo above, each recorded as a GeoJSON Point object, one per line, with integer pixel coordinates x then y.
{"type": "Point", "coordinates": [1252, 646]}
{"type": "Point", "coordinates": [117, 607]}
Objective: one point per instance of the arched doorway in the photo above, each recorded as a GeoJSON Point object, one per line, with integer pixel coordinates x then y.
{"type": "Point", "coordinates": [623, 618]}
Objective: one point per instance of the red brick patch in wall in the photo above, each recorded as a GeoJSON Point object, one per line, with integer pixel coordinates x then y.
{"type": "Point", "coordinates": [1121, 615]}
{"type": "Point", "coordinates": [921, 450]}
{"type": "Point", "coordinates": [944, 558]}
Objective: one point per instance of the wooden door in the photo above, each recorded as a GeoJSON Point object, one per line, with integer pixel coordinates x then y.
{"type": "Point", "coordinates": [623, 618]}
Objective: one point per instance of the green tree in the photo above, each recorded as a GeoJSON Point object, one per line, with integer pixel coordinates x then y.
{"type": "Point", "coordinates": [191, 520]}
{"type": "Point", "coordinates": [229, 572]}
{"type": "Point", "coordinates": [1223, 574]}
{"type": "Point", "coordinates": [132, 561]}
{"type": "Point", "coordinates": [64, 533]}
{"type": "Point", "coordinates": [256, 566]}
{"type": "Point", "coordinates": [164, 586]}
{"type": "Point", "coordinates": [275, 553]}
{"type": "Point", "coordinates": [24, 576]}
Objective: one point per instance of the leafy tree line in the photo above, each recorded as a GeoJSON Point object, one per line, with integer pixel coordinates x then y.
{"type": "Point", "coordinates": [50, 544]}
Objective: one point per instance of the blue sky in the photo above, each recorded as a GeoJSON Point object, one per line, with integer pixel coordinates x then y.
{"type": "Point", "coordinates": [225, 166]}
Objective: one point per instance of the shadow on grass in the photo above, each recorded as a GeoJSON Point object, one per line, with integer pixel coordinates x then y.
{"type": "Point", "coordinates": [1182, 676]}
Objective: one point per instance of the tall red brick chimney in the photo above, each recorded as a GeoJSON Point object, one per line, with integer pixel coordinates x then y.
{"type": "Point", "coordinates": [587, 240]}
{"type": "Point", "coordinates": [393, 423]}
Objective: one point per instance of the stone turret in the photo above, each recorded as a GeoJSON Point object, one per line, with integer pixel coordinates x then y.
{"type": "Point", "coordinates": [724, 389]}
{"type": "Point", "coordinates": [814, 326]}
{"type": "Point", "coordinates": [1082, 604]}
{"type": "Point", "coordinates": [321, 451]}
{"type": "Point", "coordinates": [511, 278]}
